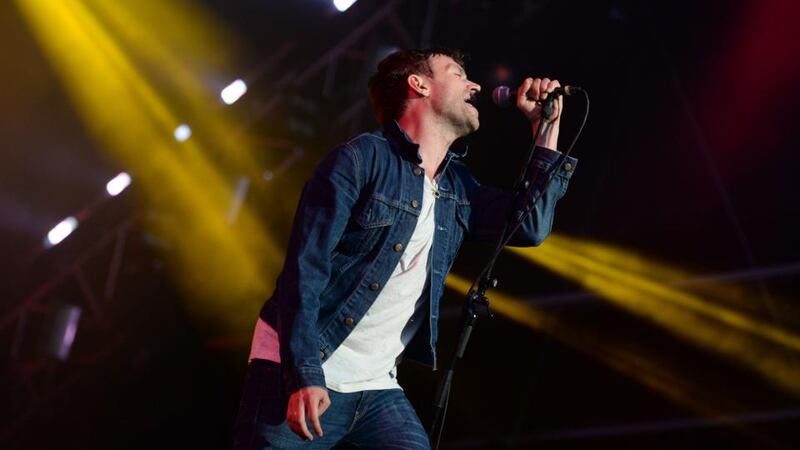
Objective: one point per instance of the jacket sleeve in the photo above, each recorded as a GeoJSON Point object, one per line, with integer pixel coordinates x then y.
{"type": "Point", "coordinates": [322, 214]}
{"type": "Point", "coordinates": [491, 207]}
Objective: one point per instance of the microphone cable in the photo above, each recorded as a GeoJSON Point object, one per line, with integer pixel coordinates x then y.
{"type": "Point", "coordinates": [485, 278]}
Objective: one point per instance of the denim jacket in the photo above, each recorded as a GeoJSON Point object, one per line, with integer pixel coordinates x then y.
{"type": "Point", "coordinates": [356, 215]}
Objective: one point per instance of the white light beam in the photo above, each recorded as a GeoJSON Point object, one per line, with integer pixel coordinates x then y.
{"type": "Point", "coordinates": [61, 231]}
{"type": "Point", "coordinates": [233, 92]}
{"type": "Point", "coordinates": [118, 184]}
{"type": "Point", "coordinates": [343, 5]}
{"type": "Point", "coordinates": [182, 132]}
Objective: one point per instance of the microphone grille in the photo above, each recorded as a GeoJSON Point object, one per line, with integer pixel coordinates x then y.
{"type": "Point", "coordinates": [501, 96]}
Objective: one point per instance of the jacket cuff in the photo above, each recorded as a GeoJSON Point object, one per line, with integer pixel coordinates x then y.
{"type": "Point", "coordinates": [544, 158]}
{"type": "Point", "coordinates": [301, 377]}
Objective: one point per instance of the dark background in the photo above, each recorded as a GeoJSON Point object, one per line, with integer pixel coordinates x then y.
{"type": "Point", "coordinates": [688, 158]}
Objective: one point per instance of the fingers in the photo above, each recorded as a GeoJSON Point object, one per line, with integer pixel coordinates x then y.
{"type": "Point", "coordinates": [545, 87]}
{"type": "Point", "coordinates": [552, 85]}
{"type": "Point", "coordinates": [531, 95]}
{"type": "Point", "coordinates": [310, 402]}
{"type": "Point", "coordinates": [318, 403]}
{"type": "Point", "coordinates": [301, 419]}
{"type": "Point", "coordinates": [313, 414]}
{"type": "Point", "coordinates": [542, 91]}
{"type": "Point", "coordinates": [296, 416]}
{"type": "Point", "coordinates": [324, 403]}
{"type": "Point", "coordinates": [522, 91]}
{"type": "Point", "coordinates": [536, 89]}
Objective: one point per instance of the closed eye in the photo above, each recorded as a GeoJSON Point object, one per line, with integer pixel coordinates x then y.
{"type": "Point", "coordinates": [460, 74]}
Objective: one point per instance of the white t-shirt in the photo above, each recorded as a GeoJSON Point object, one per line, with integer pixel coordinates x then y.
{"type": "Point", "coordinates": [367, 359]}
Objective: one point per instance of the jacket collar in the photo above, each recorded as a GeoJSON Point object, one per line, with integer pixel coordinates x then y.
{"type": "Point", "coordinates": [407, 147]}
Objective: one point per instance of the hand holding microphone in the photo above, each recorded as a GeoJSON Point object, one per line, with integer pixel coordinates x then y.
{"type": "Point", "coordinates": [502, 96]}
{"type": "Point", "coordinates": [532, 95]}
{"type": "Point", "coordinates": [538, 98]}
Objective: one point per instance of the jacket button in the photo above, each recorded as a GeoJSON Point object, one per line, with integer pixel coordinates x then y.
{"type": "Point", "coordinates": [568, 167]}
{"type": "Point", "coordinates": [398, 247]}
{"type": "Point", "coordinates": [348, 321]}
{"type": "Point", "coordinates": [321, 355]}
{"type": "Point", "coordinates": [414, 204]}
{"type": "Point", "coordinates": [374, 286]}
{"type": "Point", "coordinates": [417, 171]}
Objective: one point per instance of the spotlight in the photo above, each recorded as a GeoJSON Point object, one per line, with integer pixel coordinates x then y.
{"type": "Point", "coordinates": [61, 231]}
{"type": "Point", "coordinates": [233, 92]}
{"type": "Point", "coordinates": [118, 184]}
{"type": "Point", "coordinates": [183, 132]}
{"type": "Point", "coordinates": [342, 5]}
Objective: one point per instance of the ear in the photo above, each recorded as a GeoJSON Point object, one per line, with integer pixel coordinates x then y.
{"type": "Point", "coordinates": [418, 84]}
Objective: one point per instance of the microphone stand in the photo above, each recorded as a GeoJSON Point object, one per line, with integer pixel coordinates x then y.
{"type": "Point", "coordinates": [476, 297]}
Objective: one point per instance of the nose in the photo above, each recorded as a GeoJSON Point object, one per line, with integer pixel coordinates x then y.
{"type": "Point", "coordinates": [475, 87]}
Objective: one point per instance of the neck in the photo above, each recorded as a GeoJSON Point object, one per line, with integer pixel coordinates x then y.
{"type": "Point", "coordinates": [433, 139]}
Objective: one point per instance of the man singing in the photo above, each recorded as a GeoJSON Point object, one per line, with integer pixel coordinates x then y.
{"type": "Point", "coordinates": [375, 234]}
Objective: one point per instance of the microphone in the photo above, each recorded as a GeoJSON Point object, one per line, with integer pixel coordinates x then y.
{"type": "Point", "coordinates": [503, 96]}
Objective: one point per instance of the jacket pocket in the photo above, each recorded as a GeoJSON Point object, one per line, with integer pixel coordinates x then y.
{"type": "Point", "coordinates": [376, 213]}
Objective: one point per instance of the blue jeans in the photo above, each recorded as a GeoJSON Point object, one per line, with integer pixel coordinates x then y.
{"type": "Point", "coordinates": [382, 419]}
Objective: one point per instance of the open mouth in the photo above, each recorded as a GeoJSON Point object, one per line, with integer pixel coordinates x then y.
{"type": "Point", "coordinates": [472, 100]}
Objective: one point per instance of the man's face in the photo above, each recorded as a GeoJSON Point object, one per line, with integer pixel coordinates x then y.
{"type": "Point", "coordinates": [451, 93]}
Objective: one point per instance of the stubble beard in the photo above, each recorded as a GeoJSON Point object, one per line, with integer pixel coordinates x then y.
{"type": "Point", "coordinates": [471, 121]}
{"type": "Point", "coordinates": [464, 122]}
{"type": "Point", "coordinates": [457, 119]}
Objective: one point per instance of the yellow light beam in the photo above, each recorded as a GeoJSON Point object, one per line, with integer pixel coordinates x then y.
{"type": "Point", "coordinates": [228, 268]}
{"type": "Point", "coordinates": [631, 262]}
{"type": "Point", "coordinates": [640, 365]}
{"type": "Point", "coordinates": [625, 356]}
{"type": "Point", "coordinates": [590, 268]}
{"type": "Point", "coordinates": [759, 346]}
{"type": "Point", "coordinates": [142, 28]}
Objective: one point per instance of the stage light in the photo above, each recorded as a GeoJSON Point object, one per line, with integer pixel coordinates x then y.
{"type": "Point", "coordinates": [233, 92]}
{"type": "Point", "coordinates": [62, 335]}
{"type": "Point", "coordinates": [183, 132]}
{"type": "Point", "coordinates": [343, 5]}
{"type": "Point", "coordinates": [61, 231]}
{"type": "Point", "coordinates": [135, 53]}
{"type": "Point", "coordinates": [118, 184]}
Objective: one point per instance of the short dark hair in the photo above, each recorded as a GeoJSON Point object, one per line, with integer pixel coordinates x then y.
{"type": "Point", "coordinates": [388, 91]}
